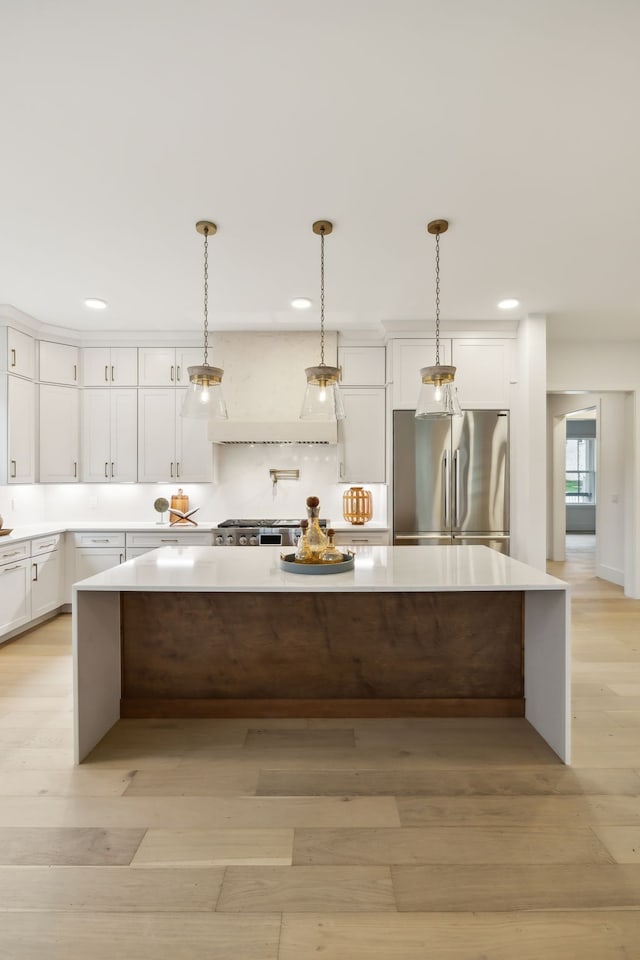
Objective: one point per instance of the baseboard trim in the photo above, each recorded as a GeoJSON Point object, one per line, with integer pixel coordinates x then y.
{"type": "Point", "coordinates": [612, 574]}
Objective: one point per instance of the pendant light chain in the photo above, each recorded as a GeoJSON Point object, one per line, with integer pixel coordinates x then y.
{"type": "Point", "coordinates": [322, 299]}
{"type": "Point", "coordinates": [206, 296]}
{"type": "Point", "coordinates": [437, 299]}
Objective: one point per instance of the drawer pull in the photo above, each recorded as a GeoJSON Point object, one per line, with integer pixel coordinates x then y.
{"type": "Point", "coordinates": [14, 553]}
{"type": "Point", "coordinates": [43, 546]}
{"type": "Point", "coordinates": [9, 569]}
{"type": "Point", "coordinates": [34, 579]}
{"type": "Point", "coordinates": [97, 540]}
{"type": "Point", "coordinates": [169, 540]}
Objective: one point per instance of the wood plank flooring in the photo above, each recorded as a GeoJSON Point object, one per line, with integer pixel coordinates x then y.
{"type": "Point", "coordinates": [289, 839]}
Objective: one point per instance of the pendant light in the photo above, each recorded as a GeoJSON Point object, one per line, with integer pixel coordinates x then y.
{"type": "Point", "coordinates": [322, 399]}
{"type": "Point", "coordinates": [204, 399]}
{"type": "Point", "coordinates": [438, 394]}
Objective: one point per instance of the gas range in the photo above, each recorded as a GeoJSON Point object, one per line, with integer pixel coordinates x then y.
{"type": "Point", "coordinates": [258, 533]}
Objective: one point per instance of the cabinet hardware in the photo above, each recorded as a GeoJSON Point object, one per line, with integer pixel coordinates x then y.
{"type": "Point", "coordinates": [75, 371]}
{"type": "Point", "coordinates": [178, 469]}
{"type": "Point", "coordinates": [43, 546]}
{"type": "Point", "coordinates": [171, 472]}
{"type": "Point", "coordinates": [113, 375]}
{"type": "Point", "coordinates": [13, 468]}
{"type": "Point", "coordinates": [112, 473]}
{"type": "Point", "coordinates": [35, 570]}
{"type": "Point", "coordinates": [9, 569]}
{"type": "Point", "coordinates": [122, 558]}
{"type": "Point", "coordinates": [13, 356]}
{"type": "Point", "coordinates": [178, 374]}
{"type": "Point", "coordinates": [14, 553]}
{"type": "Point", "coordinates": [172, 371]}
{"type": "Point", "coordinates": [96, 540]}
{"type": "Point", "coordinates": [106, 373]}
{"type": "Point", "coordinates": [106, 469]}
{"type": "Point", "coordinates": [75, 468]}
{"type": "Point", "coordinates": [168, 540]}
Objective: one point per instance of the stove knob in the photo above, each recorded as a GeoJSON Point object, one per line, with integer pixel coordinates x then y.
{"type": "Point", "coordinates": [253, 541]}
{"type": "Point", "coordinates": [243, 540]}
{"type": "Point", "coordinates": [229, 539]}
{"type": "Point", "coordinates": [219, 540]}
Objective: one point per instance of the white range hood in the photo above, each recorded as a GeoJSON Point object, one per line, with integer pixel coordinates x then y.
{"type": "Point", "coordinates": [265, 410]}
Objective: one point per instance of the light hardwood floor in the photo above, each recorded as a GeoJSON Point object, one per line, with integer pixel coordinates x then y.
{"type": "Point", "coordinates": [287, 840]}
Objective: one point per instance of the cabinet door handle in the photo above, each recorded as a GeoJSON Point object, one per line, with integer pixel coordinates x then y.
{"type": "Point", "coordinates": [122, 558]}
{"type": "Point", "coordinates": [75, 371]}
{"type": "Point", "coordinates": [172, 371]}
{"type": "Point", "coordinates": [178, 469]}
{"type": "Point", "coordinates": [106, 469]}
{"type": "Point", "coordinates": [172, 468]}
{"type": "Point", "coordinates": [35, 570]}
{"type": "Point", "coordinates": [112, 473]}
{"type": "Point", "coordinates": [13, 356]}
{"type": "Point", "coordinates": [341, 470]}
{"type": "Point", "coordinates": [75, 468]}
{"type": "Point", "coordinates": [13, 468]}
{"type": "Point", "coordinates": [106, 373]}
{"type": "Point", "coordinates": [178, 374]}
{"type": "Point", "coordinates": [113, 374]}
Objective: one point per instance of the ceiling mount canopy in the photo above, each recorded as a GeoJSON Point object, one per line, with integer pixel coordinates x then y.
{"type": "Point", "coordinates": [322, 399]}
{"type": "Point", "coordinates": [438, 394]}
{"type": "Point", "coordinates": [204, 399]}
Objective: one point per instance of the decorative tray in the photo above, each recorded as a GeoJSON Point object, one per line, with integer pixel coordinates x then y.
{"type": "Point", "coordinates": [289, 563]}
{"type": "Point", "coordinates": [5, 531]}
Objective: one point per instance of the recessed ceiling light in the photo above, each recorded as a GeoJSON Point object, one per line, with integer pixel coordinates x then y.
{"type": "Point", "coordinates": [95, 303]}
{"type": "Point", "coordinates": [508, 304]}
{"type": "Point", "coordinates": [301, 303]}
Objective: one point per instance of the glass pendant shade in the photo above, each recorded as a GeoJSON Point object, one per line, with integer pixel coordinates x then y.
{"type": "Point", "coordinates": [438, 399]}
{"type": "Point", "coordinates": [322, 399]}
{"type": "Point", "coordinates": [204, 399]}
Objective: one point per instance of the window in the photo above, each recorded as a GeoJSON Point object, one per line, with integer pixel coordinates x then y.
{"type": "Point", "coordinates": [580, 470]}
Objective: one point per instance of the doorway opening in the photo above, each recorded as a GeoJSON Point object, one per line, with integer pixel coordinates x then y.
{"type": "Point", "coordinates": [581, 483]}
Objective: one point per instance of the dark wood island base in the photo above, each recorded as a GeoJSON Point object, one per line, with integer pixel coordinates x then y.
{"type": "Point", "coordinates": [351, 654]}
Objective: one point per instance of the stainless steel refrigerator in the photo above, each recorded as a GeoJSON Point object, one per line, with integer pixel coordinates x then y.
{"type": "Point", "coordinates": [451, 479]}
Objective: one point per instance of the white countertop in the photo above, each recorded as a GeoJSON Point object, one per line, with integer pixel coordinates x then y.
{"type": "Point", "coordinates": [44, 528]}
{"type": "Point", "coordinates": [237, 569]}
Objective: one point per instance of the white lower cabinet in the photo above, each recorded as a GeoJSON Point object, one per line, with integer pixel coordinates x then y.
{"type": "Point", "coordinates": [46, 583]}
{"type": "Point", "coordinates": [59, 434]}
{"type": "Point", "coordinates": [96, 552]}
{"type": "Point", "coordinates": [363, 537]}
{"type": "Point", "coordinates": [362, 435]}
{"type": "Point", "coordinates": [15, 577]}
{"type": "Point", "coordinates": [170, 447]}
{"type": "Point", "coordinates": [109, 436]}
{"type": "Point", "coordinates": [139, 543]}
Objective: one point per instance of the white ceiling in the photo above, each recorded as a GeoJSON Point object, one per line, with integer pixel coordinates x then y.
{"type": "Point", "coordinates": [124, 122]}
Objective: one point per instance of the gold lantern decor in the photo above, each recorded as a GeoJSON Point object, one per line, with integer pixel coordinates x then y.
{"type": "Point", "coordinates": [357, 505]}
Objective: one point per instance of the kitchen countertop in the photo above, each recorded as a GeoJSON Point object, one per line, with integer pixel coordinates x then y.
{"type": "Point", "coordinates": [44, 528]}
{"type": "Point", "coordinates": [407, 568]}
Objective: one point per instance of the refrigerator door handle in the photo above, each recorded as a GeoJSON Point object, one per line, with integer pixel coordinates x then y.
{"type": "Point", "coordinates": [446, 482]}
{"type": "Point", "coordinates": [456, 489]}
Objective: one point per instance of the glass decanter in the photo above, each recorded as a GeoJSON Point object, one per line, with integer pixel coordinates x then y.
{"type": "Point", "coordinates": [303, 553]}
{"type": "Point", "coordinates": [316, 539]}
{"type": "Point", "coordinates": [331, 554]}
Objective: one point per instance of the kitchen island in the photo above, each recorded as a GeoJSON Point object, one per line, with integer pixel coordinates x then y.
{"type": "Point", "coordinates": [410, 631]}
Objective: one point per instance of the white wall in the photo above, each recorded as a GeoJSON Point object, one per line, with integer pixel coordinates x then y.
{"type": "Point", "coordinates": [243, 488]}
{"type": "Point", "coordinates": [601, 367]}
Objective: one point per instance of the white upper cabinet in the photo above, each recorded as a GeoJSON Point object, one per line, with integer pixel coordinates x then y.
{"type": "Point", "coordinates": [109, 450]}
{"type": "Point", "coordinates": [110, 366]}
{"type": "Point", "coordinates": [170, 447]}
{"type": "Point", "coordinates": [21, 354]}
{"type": "Point", "coordinates": [362, 366]}
{"type": "Point", "coordinates": [59, 434]}
{"type": "Point", "coordinates": [408, 358]}
{"type": "Point", "coordinates": [19, 466]}
{"type": "Point", "coordinates": [362, 434]}
{"type": "Point", "coordinates": [483, 372]}
{"type": "Point", "coordinates": [59, 363]}
{"type": "Point", "coordinates": [167, 366]}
